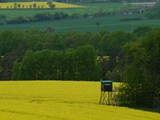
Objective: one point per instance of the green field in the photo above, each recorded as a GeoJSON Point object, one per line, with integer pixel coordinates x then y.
{"type": "Point", "coordinates": [59, 100]}
{"type": "Point", "coordinates": [86, 24]}
{"type": "Point", "coordinates": [89, 8]}
{"type": "Point", "coordinates": [81, 24]}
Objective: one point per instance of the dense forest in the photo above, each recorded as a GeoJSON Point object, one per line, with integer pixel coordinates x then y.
{"type": "Point", "coordinates": [129, 57]}
{"type": "Point", "coordinates": [107, 45]}
{"type": "Point", "coordinates": [141, 72]}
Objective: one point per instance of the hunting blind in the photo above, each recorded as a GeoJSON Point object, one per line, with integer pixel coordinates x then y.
{"type": "Point", "coordinates": [106, 92]}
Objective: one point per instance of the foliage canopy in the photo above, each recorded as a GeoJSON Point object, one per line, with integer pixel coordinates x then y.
{"type": "Point", "coordinates": [141, 72]}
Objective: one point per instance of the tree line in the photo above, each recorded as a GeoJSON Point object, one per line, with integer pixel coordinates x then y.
{"type": "Point", "coordinates": [52, 16]}
{"type": "Point", "coordinates": [38, 17]}
{"type": "Point", "coordinates": [72, 64]}
{"type": "Point", "coordinates": [130, 57]}
{"type": "Point", "coordinates": [141, 70]}
{"type": "Point", "coordinates": [15, 43]}
{"type": "Point", "coordinates": [16, 5]}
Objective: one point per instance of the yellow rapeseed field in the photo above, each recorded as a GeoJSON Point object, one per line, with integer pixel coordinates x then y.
{"type": "Point", "coordinates": [59, 100]}
{"type": "Point", "coordinates": [38, 5]}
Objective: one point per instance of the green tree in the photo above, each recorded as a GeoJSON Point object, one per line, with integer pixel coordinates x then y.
{"type": "Point", "coordinates": [34, 5]}
{"type": "Point", "coordinates": [141, 74]}
{"type": "Point", "coordinates": [52, 42]}
{"type": "Point", "coordinates": [112, 42]}
{"type": "Point", "coordinates": [15, 5]}
{"type": "Point", "coordinates": [72, 39]}
{"type": "Point", "coordinates": [110, 45]}
{"type": "Point", "coordinates": [86, 68]}
{"type": "Point", "coordinates": [12, 48]}
{"type": "Point", "coordinates": [23, 6]}
{"type": "Point", "coordinates": [19, 5]}
{"type": "Point", "coordinates": [70, 64]}
{"type": "Point", "coordinates": [30, 6]}
{"type": "Point", "coordinates": [51, 4]}
{"type": "Point", "coordinates": [27, 67]}
{"type": "Point", "coordinates": [94, 39]}
{"type": "Point", "coordinates": [57, 60]}
{"type": "Point", "coordinates": [141, 31]}
{"type": "Point", "coordinates": [16, 71]}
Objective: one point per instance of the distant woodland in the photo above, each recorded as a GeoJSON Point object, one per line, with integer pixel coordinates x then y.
{"type": "Point", "coordinates": [103, 49]}
{"type": "Point", "coordinates": [129, 57]}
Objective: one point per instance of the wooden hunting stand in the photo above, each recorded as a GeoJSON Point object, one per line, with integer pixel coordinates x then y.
{"type": "Point", "coordinates": [106, 92]}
